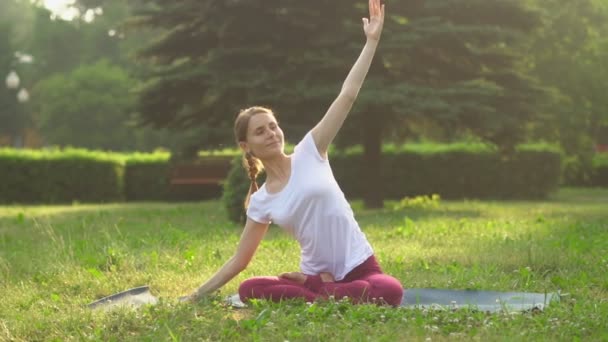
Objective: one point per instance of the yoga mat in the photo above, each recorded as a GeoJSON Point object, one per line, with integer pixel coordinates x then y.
{"type": "Point", "coordinates": [489, 301]}
{"type": "Point", "coordinates": [443, 299]}
{"type": "Point", "coordinates": [436, 299]}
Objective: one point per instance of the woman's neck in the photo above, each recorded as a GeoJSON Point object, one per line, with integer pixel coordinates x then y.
{"type": "Point", "coordinates": [278, 169]}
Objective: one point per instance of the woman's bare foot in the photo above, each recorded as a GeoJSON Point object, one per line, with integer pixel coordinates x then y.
{"type": "Point", "coordinates": [298, 277]}
{"type": "Point", "coordinates": [327, 277]}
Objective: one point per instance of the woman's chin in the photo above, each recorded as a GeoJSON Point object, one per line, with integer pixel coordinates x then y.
{"type": "Point", "coordinates": [272, 153]}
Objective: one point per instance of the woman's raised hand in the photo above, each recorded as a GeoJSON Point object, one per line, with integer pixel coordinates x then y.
{"type": "Point", "coordinates": [373, 25]}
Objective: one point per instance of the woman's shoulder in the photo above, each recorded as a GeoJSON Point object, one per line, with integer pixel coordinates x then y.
{"type": "Point", "coordinates": [307, 146]}
{"type": "Point", "coordinates": [260, 193]}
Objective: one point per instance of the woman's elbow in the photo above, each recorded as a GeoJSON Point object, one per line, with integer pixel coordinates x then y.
{"type": "Point", "coordinates": [239, 264]}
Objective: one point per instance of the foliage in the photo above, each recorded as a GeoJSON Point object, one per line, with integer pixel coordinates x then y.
{"type": "Point", "coordinates": [59, 177]}
{"type": "Point", "coordinates": [12, 114]}
{"type": "Point", "coordinates": [568, 53]}
{"type": "Point", "coordinates": [453, 64]}
{"type": "Point", "coordinates": [235, 190]}
{"type": "Point", "coordinates": [600, 160]}
{"type": "Point", "coordinates": [56, 259]}
{"type": "Point", "coordinates": [454, 174]}
{"type": "Point", "coordinates": [147, 177]}
{"type": "Point", "coordinates": [236, 187]}
{"type": "Point", "coordinates": [89, 107]}
{"type": "Point", "coordinates": [58, 47]}
{"type": "Point", "coordinates": [471, 83]}
{"type": "Point", "coordinates": [418, 202]}
{"type": "Point", "coordinates": [600, 170]}
{"type": "Point", "coordinates": [460, 171]}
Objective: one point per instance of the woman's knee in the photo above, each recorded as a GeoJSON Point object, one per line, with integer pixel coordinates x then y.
{"type": "Point", "coordinates": [247, 289]}
{"type": "Point", "coordinates": [386, 289]}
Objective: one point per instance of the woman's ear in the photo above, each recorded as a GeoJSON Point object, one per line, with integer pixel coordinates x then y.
{"type": "Point", "coordinates": [244, 147]}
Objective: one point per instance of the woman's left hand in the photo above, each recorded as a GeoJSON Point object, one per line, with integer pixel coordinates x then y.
{"type": "Point", "coordinates": [373, 25]}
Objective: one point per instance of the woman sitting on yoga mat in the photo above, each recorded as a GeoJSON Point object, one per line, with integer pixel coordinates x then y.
{"type": "Point", "coordinates": [301, 195]}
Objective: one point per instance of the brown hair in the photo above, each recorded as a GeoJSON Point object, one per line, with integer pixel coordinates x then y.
{"type": "Point", "coordinates": [252, 164]}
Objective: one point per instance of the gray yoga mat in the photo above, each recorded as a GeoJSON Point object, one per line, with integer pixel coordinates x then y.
{"type": "Point", "coordinates": [443, 299]}
{"type": "Point", "coordinates": [438, 299]}
{"type": "Point", "coordinates": [489, 301]}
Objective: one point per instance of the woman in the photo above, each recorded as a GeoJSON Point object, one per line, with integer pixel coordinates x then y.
{"type": "Point", "coordinates": [301, 195]}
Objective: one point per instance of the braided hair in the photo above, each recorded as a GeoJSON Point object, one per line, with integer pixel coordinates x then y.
{"type": "Point", "coordinates": [252, 164]}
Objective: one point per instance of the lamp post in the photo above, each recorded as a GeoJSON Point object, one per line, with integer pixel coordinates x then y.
{"type": "Point", "coordinates": [12, 83]}
{"type": "Point", "coordinates": [12, 80]}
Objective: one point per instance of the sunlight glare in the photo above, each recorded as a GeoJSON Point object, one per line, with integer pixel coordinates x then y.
{"type": "Point", "coordinates": [61, 9]}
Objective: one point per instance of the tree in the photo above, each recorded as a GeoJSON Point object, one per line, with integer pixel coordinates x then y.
{"type": "Point", "coordinates": [12, 115]}
{"type": "Point", "coordinates": [569, 54]}
{"type": "Point", "coordinates": [88, 107]}
{"type": "Point", "coordinates": [451, 62]}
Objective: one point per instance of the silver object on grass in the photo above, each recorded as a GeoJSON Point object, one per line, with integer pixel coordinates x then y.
{"type": "Point", "coordinates": [133, 298]}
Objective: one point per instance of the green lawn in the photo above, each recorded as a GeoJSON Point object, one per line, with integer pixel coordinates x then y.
{"type": "Point", "coordinates": [55, 259]}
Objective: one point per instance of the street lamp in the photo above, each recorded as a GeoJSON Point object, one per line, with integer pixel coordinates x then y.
{"type": "Point", "coordinates": [23, 96]}
{"type": "Point", "coordinates": [12, 83]}
{"type": "Point", "coordinates": [12, 80]}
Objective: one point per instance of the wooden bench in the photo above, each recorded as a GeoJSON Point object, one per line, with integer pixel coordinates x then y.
{"type": "Point", "coordinates": [212, 172]}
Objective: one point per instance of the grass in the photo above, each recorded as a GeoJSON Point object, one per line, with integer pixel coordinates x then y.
{"type": "Point", "coordinates": [56, 259]}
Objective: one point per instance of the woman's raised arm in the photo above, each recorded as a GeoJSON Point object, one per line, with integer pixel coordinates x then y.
{"type": "Point", "coordinates": [325, 131]}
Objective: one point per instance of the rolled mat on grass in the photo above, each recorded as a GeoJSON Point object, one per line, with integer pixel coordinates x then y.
{"type": "Point", "coordinates": [436, 299]}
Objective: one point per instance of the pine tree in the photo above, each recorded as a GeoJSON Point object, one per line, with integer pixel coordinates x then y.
{"type": "Point", "coordinates": [453, 63]}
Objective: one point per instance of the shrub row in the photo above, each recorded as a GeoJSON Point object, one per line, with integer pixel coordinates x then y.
{"type": "Point", "coordinates": [88, 176]}
{"type": "Point", "coordinates": [455, 175]}
{"type": "Point", "coordinates": [476, 171]}
{"type": "Point", "coordinates": [577, 173]}
{"type": "Point", "coordinates": [452, 171]}
{"type": "Point", "coordinates": [51, 177]}
{"type": "Point", "coordinates": [599, 176]}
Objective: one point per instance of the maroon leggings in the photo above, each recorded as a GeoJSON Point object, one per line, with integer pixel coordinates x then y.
{"type": "Point", "coordinates": [364, 284]}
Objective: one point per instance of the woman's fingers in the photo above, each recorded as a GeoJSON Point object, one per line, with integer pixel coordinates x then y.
{"type": "Point", "coordinates": [373, 8]}
{"type": "Point", "coordinates": [376, 10]}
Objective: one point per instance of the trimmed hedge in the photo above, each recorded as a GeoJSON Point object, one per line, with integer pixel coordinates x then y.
{"type": "Point", "coordinates": [454, 171]}
{"type": "Point", "coordinates": [451, 171]}
{"type": "Point", "coordinates": [147, 177]}
{"type": "Point", "coordinates": [60, 176]}
{"type": "Point", "coordinates": [600, 170]}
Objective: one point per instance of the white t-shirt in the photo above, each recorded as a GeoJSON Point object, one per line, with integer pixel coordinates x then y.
{"type": "Point", "coordinates": [312, 207]}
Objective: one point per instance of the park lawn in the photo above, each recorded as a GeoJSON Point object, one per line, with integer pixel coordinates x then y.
{"type": "Point", "coordinates": [56, 259]}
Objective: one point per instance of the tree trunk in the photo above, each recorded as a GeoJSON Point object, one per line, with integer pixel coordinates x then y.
{"type": "Point", "coordinates": [372, 158]}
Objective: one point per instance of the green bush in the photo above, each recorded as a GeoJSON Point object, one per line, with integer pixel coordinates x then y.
{"type": "Point", "coordinates": [450, 171]}
{"type": "Point", "coordinates": [600, 170]}
{"type": "Point", "coordinates": [456, 174]}
{"type": "Point", "coordinates": [60, 176]}
{"type": "Point", "coordinates": [235, 189]}
{"type": "Point", "coordinates": [593, 173]}
{"type": "Point", "coordinates": [147, 177]}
